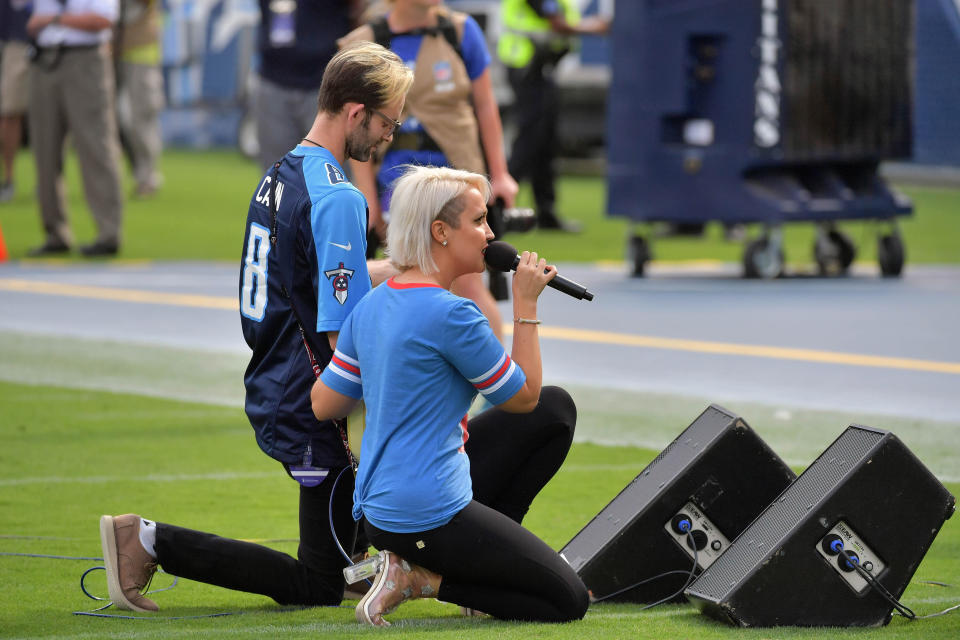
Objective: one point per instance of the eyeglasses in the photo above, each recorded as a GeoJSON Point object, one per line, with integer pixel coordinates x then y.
{"type": "Point", "coordinates": [394, 124]}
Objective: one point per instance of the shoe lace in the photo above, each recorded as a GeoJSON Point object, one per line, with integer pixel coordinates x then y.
{"type": "Point", "coordinates": [151, 569]}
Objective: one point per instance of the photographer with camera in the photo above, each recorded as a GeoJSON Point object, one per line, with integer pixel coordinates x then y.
{"type": "Point", "coordinates": [450, 119]}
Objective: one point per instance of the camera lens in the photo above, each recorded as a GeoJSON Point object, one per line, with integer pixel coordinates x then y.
{"type": "Point", "coordinates": [519, 219]}
{"type": "Point", "coordinates": [514, 219]}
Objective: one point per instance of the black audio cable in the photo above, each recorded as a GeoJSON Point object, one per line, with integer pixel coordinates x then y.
{"type": "Point", "coordinates": [691, 574]}
{"type": "Point", "coordinates": [877, 586]}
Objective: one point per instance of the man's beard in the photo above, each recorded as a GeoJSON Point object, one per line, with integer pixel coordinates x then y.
{"type": "Point", "coordinates": [359, 144]}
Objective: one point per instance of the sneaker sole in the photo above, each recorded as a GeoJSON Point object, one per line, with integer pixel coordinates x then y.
{"type": "Point", "coordinates": [108, 543]}
{"type": "Point", "coordinates": [363, 615]}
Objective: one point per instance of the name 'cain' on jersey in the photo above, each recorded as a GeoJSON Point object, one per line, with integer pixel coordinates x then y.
{"type": "Point", "coordinates": [313, 275]}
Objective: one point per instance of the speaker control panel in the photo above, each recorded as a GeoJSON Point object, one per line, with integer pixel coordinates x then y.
{"type": "Point", "coordinates": [841, 547]}
{"type": "Point", "coordinates": [693, 530]}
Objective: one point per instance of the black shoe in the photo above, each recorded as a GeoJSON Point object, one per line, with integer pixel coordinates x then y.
{"type": "Point", "coordinates": [48, 249]}
{"type": "Point", "coordinates": [99, 249]}
{"type": "Point", "coordinates": [565, 226]}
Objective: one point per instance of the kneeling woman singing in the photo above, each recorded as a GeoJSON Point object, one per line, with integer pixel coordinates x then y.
{"type": "Point", "coordinates": [443, 496]}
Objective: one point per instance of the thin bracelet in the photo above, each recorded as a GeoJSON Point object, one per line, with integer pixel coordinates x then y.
{"type": "Point", "coordinates": [526, 321]}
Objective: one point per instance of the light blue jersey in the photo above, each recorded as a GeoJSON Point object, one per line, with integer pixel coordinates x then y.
{"type": "Point", "coordinates": [418, 355]}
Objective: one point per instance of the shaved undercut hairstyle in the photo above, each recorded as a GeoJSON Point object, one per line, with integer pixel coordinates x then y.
{"type": "Point", "coordinates": [420, 196]}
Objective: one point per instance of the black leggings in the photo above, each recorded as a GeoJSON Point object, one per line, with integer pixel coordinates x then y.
{"type": "Point", "coordinates": [313, 578]}
{"type": "Point", "coordinates": [487, 560]}
{"type": "Point", "coordinates": [512, 457]}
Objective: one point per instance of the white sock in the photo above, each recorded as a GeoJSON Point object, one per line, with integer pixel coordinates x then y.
{"type": "Point", "coordinates": [148, 536]}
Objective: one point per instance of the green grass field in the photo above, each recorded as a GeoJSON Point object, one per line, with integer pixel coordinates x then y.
{"type": "Point", "coordinates": [199, 213]}
{"type": "Point", "coordinates": [72, 455]}
{"type": "Point", "coordinates": [94, 426]}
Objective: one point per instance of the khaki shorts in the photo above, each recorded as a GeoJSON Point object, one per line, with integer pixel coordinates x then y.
{"type": "Point", "coordinates": [14, 79]}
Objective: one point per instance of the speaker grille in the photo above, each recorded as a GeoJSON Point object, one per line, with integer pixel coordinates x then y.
{"type": "Point", "coordinates": [848, 79]}
{"type": "Point", "coordinates": [630, 502]}
{"type": "Point", "coordinates": [767, 532]}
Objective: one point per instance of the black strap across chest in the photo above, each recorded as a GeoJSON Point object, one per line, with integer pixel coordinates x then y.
{"type": "Point", "coordinates": [445, 27]}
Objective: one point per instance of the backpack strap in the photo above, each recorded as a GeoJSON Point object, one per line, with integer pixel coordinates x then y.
{"type": "Point", "coordinates": [449, 30]}
{"type": "Point", "coordinates": [445, 27]}
{"type": "Point", "coordinates": [381, 31]}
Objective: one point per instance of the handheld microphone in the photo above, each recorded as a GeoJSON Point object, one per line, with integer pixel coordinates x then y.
{"type": "Point", "coordinates": [502, 256]}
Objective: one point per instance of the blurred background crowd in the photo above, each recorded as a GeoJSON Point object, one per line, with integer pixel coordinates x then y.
{"type": "Point", "coordinates": [116, 81]}
{"type": "Point", "coordinates": [243, 75]}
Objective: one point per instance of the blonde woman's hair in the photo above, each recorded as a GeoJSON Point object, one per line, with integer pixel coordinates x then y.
{"type": "Point", "coordinates": [420, 196]}
{"type": "Point", "coordinates": [365, 73]}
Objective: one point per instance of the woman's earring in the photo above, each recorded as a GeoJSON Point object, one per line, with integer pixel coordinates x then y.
{"type": "Point", "coordinates": [444, 243]}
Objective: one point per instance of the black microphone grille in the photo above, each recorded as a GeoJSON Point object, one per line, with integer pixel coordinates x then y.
{"type": "Point", "coordinates": [500, 255]}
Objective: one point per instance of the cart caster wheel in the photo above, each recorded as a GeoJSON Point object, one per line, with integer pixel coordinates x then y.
{"type": "Point", "coordinates": [834, 253]}
{"type": "Point", "coordinates": [890, 255]}
{"type": "Point", "coordinates": [761, 259]}
{"type": "Point", "coordinates": [638, 253]}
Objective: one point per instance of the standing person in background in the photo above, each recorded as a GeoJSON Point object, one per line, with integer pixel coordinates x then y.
{"type": "Point", "coordinates": [14, 87]}
{"type": "Point", "coordinates": [451, 117]}
{"type": "Point", "coordinates": [297, 39]}
{"type": "Point", "coordinates": [141, 90]}
{"type": "Point", "coordinates": [72, 91]}
{"type": "Point", "coordinates": [303, 270]}
{"type": "Point", "coordinates": [536, 35]}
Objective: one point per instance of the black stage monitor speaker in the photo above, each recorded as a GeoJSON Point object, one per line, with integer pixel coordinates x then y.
{"type": "Point", "coordinates": [866, 495]}
{"type": "Point", "coordinates": [718, 475]}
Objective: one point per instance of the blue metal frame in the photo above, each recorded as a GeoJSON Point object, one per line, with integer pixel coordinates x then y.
{"type": "Point", "coordinates": [743, 175]}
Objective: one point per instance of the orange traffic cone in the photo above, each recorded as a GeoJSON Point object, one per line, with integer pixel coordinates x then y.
{"type": "Point", "coordinates": [3, 248]}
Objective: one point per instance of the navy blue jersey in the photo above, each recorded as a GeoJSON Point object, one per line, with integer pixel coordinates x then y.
{"type": "Point", "coordinates": [297, 44]}
{"type": "Point", "coordinates": [13, 19]}
{"type": "Point", "coordinates": [311, 277]}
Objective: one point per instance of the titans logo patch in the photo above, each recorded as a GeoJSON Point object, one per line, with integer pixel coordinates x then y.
{"type": "Point", "coordinates": [334, 175]}
{"type": "Point", "coordinates": [340, 278]}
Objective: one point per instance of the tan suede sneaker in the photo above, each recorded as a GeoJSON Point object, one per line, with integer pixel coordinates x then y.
{"type": "Point", "coordinates": [129, 566]}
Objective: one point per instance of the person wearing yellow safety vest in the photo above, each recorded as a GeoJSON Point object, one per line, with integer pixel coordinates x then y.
{"type": "Point", "coordinates": [536, 34]}
{"type": "Point", "coordinates": [140, 90]}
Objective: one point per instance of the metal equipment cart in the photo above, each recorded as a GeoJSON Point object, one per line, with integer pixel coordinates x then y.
{"type": "Point", "coordinates": [761, 111]}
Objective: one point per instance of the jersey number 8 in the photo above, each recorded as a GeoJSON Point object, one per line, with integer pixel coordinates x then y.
{"type": "Point", "coordinates": [253, 297]}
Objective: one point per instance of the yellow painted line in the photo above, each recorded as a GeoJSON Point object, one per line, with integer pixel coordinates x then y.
{"type": "Point", "coordinates": [70, 263]}
{"type": "Point", "coordinates": [686, 265]}
{"type": "Point", "coordinates": [120, 295]}
{"type": "Point", "coordinates": [553, 333]}
{"type": "Point", "coordinates": [757, 351]}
